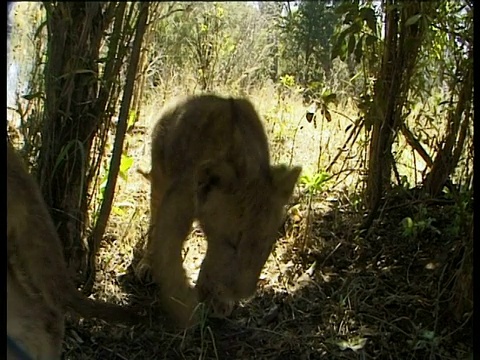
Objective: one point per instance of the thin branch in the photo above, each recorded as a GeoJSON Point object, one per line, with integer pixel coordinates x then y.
{"type": "Point", "coordinates": [95, 239]}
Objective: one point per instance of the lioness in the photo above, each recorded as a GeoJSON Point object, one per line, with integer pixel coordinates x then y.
{"type": "Point", "coordinates": [210, 161]}
{"type": "Point", "coordinates": [39, 290]}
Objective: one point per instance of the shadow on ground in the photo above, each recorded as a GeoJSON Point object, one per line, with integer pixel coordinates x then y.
{"type": "Point", "coordinates": [394, 292]}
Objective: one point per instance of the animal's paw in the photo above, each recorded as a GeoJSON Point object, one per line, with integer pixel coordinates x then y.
{"type": "Point", "coordinates": [183, 309]}
{"type": "Point", "coordinates": [221, 308]}
{"type": "Point", "coordinates": [218, 305]}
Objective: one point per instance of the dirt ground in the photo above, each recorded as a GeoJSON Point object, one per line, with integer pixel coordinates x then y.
{"type": "Point", "coordinates": [339, 295]}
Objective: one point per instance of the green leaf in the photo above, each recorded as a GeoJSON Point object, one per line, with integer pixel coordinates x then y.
{"type": "Point", "coordinates": [355, 28]}
{"type": "Point", "coordinates": [408, 222]}
{"type": "Point", "coordinates": [349, 17]}
{"type": "Point", "coordinates": [413, 20]}
{"type": "Point", "coordinates": [329, 97]}
{"type": "Point", "coordinates": [33, 96]}
{"type": "Point", "coordinates": [327, 115]}
{"type": "Point", "coordinates": [354, 344]}
{"type": "Point", "coordinates": [132, 117]}
{"type": "Point", "coordinates": [103, 183]}
{"type": "Point", "coordinates": [335, 52]}
{"type": "Point", "coordinates": [335, 49]}
{"type": "Point", "coordinates": [125, 164]}
{"type": "Point", "coordinates": [339, 45]}
{"type": "Point", "coordinates": [345, 7]}
{"type": "Point", "coordinates": [343, 52]}
{"type": "Point", "coordinates": [359, 50]}
{"type": "Point", "coordinates": [370, 40]}
{"type": "Point", "coordinates": [351, 44]}
{"type": "Point", "coordinates": [408, 226]}
{"type": "Point", "coordinates": [368, 15]}
{"type": "Point", "coordinates": [118, 211]}
{"type": "Point", "coordinates": [427, 334]}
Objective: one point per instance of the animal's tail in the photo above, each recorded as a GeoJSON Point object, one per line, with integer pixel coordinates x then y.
{"type": "Point", "coordinates": [114, 313]}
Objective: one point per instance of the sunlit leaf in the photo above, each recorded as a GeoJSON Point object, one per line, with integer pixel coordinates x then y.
{"type": "Point", "coordinates": [329, 98]}
{"type": "Point", "coordinates": [407, 222]}
{"type": "Point", "coordinates": [118, 211]}
{"type": "Point", "coordinates": [132, 116]}
{"type": "Point", "coordinates": [353, 344]}
{"type": "Point", "coordinates": [125, 164]}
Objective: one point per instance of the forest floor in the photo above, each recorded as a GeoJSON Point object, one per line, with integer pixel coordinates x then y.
{"type": "Point", "coordinates": [383, 296]}
{"type": "Point", "coordinates": [328, 290]}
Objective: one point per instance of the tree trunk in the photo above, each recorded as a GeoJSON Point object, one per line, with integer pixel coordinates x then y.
{"type": "Point", "coordinates": [74, 33]}
{"type": "Point", "coordinates": [449, 153]}
{"type": "Point", "coordinates": [402, 42]}
{"type": "Point", "coordinates": [381, 117]}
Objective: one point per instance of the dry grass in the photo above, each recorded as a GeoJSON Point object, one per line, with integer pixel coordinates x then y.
{"type": "Point", "coordinates": [325, 292]}
{"type": "Point", "coordinates": [386, 297]}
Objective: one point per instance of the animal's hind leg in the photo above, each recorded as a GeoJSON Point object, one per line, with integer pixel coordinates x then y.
{"type": "Point", "coordinates": [35, 327]}
{"type": "Point", "coordinates": [172, 225]}
{"type": "Point", "coordinates": [158, 186]}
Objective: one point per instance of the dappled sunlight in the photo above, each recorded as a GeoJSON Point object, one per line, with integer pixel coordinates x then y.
{"type": "Point", "coordinates": [339, 295]}
{"type": "Point", "coordinates": [369, 264]}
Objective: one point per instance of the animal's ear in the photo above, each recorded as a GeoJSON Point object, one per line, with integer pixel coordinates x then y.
{"type": "Point", "coordinates": [213, 175]}
{"type": "Point", "coordinates": [284, 179]}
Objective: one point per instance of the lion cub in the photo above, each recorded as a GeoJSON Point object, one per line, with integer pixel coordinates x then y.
{"type": "Point", "coordinates": [211, 162]}
{"type": "Point", "coordinates": [39, 290]}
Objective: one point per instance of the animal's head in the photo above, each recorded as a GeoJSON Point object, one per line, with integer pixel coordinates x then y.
{"type": "Point", "coordinates": [241, 221]}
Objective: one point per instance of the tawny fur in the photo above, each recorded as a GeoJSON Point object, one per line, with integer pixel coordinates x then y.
{"type": "Point", "coordinates": [39, 289]}
{"type": "Point", "coordinates": [211, 162]}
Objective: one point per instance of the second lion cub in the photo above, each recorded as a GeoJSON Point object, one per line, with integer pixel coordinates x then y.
{"type": "Point", "coordinates": [211, 162]}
